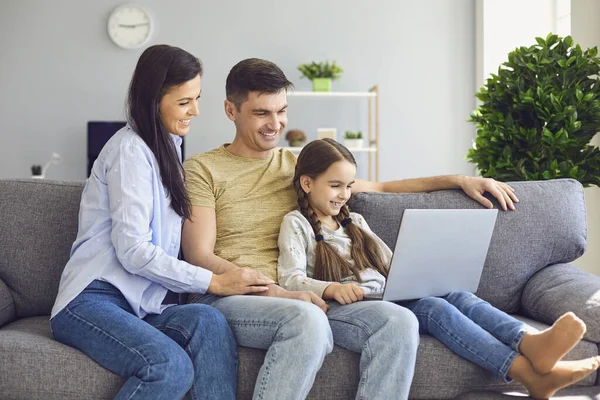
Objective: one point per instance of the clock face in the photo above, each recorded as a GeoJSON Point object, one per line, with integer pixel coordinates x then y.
{"type": "Point", "coordinates": [130, 26]}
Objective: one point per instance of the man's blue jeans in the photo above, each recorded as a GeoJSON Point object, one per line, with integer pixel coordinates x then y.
{"type": "Point", "coordinates": [471, 328]}
{"type": "Point", "coordinates": [186, 349]}
{"type": "Point", "coordinates": [298, 335]}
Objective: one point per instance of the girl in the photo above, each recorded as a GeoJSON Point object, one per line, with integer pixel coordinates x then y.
{"type": "Point", "coordinates": [329, 250]}
{"type": "Point", "coordinates": [113, 301]}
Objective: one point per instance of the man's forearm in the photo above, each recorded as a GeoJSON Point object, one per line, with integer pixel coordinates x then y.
{"type": "Point", "coordinates": [420, 185]}
{"type": "Point", "coordinates": [213, 263]}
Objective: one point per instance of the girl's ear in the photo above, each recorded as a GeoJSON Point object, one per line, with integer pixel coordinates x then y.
{"type": "Point", "coordinates": [305, 183]}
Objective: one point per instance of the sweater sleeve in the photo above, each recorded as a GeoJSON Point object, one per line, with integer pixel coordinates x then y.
{"type": "Point", "coordinates": [294, 241]}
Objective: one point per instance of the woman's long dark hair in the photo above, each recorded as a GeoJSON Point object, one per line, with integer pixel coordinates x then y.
{"type": "Point", "coordinates": [314, 159]}
{"type": "Point", "coordinates": [159, 69]}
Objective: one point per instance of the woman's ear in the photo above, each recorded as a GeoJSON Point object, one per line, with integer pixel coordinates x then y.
{"type": "Point", "coordinates": [305, 183]}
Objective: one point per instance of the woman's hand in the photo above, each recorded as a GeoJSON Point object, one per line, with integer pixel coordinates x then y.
{"type": "Point", "coordinates": [239, 281]}
{"type": "Point", "coordinates": [344, 293]}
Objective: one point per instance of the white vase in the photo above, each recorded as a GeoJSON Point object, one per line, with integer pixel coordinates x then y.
{"type": "Point", "coordinates": [326, 133]}
{"type": "Point", "coordinates": [353, 143]}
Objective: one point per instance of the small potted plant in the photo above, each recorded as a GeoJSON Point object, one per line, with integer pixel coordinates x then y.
{"type": "Point", "coordinates": [321, 74]}
{"type": "Point", "coordinates": [353, 140]}
{"type": "Point", "coordinates": [295, 137]}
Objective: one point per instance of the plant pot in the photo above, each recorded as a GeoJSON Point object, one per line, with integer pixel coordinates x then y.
{"type": "Point", "coordinates": [296, 143]}
{"type": "Point", "coordinates": [353, 143]}
{"type": "Point", "coordinates": [321, 84]}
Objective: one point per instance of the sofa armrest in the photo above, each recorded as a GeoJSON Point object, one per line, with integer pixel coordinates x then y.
{"type": "Point", "coordinates": [7, 305]}
{"type": "Point", "coordinates": [560, 288]}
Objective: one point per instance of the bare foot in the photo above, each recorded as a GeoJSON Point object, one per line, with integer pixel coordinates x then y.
{"type": "Point", "coordinates": [564, 373]}
{"type": "Point", "coordinates": [544, 349]}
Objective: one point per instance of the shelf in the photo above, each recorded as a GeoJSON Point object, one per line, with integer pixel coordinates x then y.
{"type": "Point", "coordinates": [372, 137]}
{"type": "Point", "coordinates": [353, 150]}
{"type": "Point", "coordinates": [332, 94]}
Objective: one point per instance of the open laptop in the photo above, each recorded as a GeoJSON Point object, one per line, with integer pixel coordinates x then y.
{"type": "Point", "coordinates": [438, 252]}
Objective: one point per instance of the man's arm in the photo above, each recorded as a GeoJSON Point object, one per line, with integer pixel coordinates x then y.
{"type": "Point", "coordinates": [198, 243]}
{"type": "Point", "coordinates": [198, 240]}
{"type": "Point", "coordinates": [474, 187]}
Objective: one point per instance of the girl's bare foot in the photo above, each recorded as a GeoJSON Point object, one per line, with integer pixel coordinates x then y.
{"type": "Point", "coordinates": [564, 373]}
{"type": "Point", "coordinates": [544, 349]}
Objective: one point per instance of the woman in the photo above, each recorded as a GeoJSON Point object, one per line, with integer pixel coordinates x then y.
{"type": "Point", "coordinates": [115, 301]}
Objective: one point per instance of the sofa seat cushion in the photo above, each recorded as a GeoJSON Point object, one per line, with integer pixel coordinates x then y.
{"type": "Point", "coordinates": [35, 366]}
{"type": "Point", "coordinates": [578, 393]}
{"type": "Point", "coordinates": [439, 373]}
{"type": "Point", "coordinates": [38, 367]}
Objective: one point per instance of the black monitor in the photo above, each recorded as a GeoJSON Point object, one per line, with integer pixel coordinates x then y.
{"type": "Point", "coordinates": [98, 133]}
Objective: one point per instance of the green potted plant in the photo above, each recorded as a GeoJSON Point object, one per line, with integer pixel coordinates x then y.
{"type": "Point", "coordinates": [295, 138]}
{"type": "Point", "coordinates": [321, 74]}
{"type": "Point", "coordinates": [353, 140]}
{"type": "Point", "coordinates": [539, 113]}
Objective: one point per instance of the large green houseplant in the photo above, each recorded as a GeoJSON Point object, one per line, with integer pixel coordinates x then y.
{"type": "Point", "coordinates": [539, 113]}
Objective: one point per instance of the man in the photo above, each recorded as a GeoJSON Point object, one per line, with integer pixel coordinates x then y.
{"type": "Point", "coordinates": [240, 193]}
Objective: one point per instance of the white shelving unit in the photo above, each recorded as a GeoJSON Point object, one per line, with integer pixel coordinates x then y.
{"type": "Point", "coordinates": [373, 131]}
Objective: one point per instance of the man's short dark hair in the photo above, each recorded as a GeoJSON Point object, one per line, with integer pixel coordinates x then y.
{"type": "Point", "coordinates": [254, 75]}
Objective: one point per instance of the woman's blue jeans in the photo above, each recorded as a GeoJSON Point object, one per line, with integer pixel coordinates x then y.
{"type": "Point", "coordinates": [185, 349]}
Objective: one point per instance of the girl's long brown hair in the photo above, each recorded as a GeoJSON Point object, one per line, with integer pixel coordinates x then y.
{"type": "Point", "coordinates": [314, 159]}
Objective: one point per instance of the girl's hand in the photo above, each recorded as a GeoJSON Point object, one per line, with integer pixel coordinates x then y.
{"type": "Point", "coordinates": [344, 293]}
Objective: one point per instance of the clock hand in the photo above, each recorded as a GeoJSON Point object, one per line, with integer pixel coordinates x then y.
{"type": "Point", "coordinates": [132, 25]}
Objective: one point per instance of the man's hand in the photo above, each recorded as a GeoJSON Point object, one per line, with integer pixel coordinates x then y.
{"type": "Point", "coordinates": [475, 187]}
{"type": "Point", "coordinates": [310, 297]}
{"type": "Point", "coordinates": [344, 293]}
{"type": "Point", "coordinates": [239, 281]}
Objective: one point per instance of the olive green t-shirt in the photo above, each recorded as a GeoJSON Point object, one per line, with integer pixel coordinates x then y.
{"type": "Point", "coordinates": [250, 197]}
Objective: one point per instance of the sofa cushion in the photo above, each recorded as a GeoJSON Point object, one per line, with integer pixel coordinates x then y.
{"type": "Point", "coordinates": [37, 367]}
{"type": "Point", "coordinates": [443, 374]}
{"type": "Point", "coordinates": [37, 228]}
{"type": "Point", "coordinates": [579, 393]}
{"type": "Point", "coordinates": [7, 305]}
{"type": "Point", "coordinates": [560, 288]}
{"type": "Point", "coordinates": [547, 227]}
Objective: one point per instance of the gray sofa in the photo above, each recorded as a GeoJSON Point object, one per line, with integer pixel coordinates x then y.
{"type": "Point", "coordinates": [526, 273]}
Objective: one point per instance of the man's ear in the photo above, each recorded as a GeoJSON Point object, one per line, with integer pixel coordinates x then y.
{"type": "Point", "coordinates": [230, 110]}
{"type": "Point", "coordinates": [306, 183]}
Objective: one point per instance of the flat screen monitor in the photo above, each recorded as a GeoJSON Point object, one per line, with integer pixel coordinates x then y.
{"type": "Point", "coordinates": [98, 133]}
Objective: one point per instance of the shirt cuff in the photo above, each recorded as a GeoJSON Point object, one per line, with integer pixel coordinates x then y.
{"type": "Point", "coordinates": [202, 278]}
{"type": "Point", "coordinates": [318, 287]}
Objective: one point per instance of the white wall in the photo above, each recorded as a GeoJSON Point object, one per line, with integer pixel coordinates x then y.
{"type": "Point", "coordinates": [59, 70]}
{"type": "Point", "coordinates": [504, 25]}
{"type": "Point", "coordinates": [585, 29]}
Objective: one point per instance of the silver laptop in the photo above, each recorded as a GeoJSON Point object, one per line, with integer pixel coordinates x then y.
{"type": "Point", "coordinates": [438, 252]}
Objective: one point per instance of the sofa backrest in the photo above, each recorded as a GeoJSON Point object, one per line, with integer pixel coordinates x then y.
{"type": "Point", "coordinates": [38, 224]}
{"type": "Point", "coordinates": [547, 227]}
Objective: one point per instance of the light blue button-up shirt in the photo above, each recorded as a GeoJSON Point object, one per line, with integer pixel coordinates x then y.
{"type": "Point", "coordinates": [128, 233]}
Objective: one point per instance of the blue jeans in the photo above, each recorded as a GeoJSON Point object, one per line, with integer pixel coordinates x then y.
{"type": "Point", "coordinates": [185, 349]}
{"type": "Point", "coordinates": [295, 334]}
{"type": "Point", "coordinates": [471, 328]}
{"type": "Point", "coordinates": [298, 335]}
{"type": "Point", "coordinates": [387, 338]}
